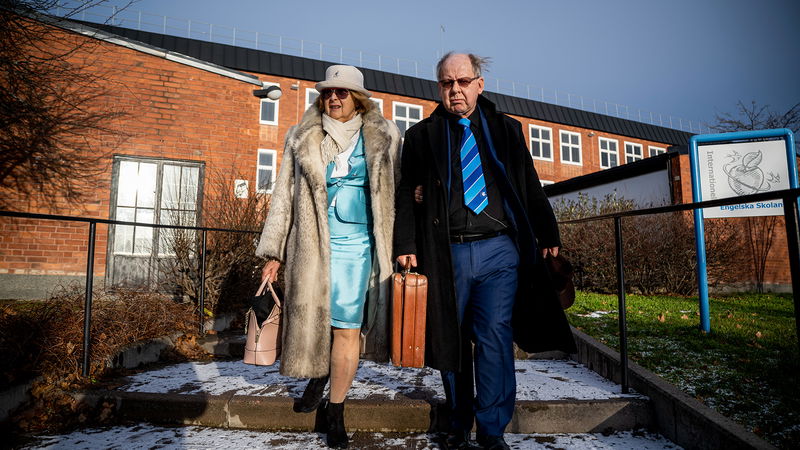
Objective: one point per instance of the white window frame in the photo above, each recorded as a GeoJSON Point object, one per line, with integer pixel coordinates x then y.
{"type": "Point", "coordinates": [274, 168]}
{"type": "Point", "coordinates": [378, 103]}
{"type": "Point", "coordinates": [652, 150]}
{"type": "Point", "coordinates": [600, 149]}
{"type": "Point", "coordinates": [310, 91]}
{"type": "Point", "coordinates": [546, 182]}
{"type": "Point", "coordinates": [277, 105]}
{"type": "Point", "coordinates": [183, 209]}
{"type": "Point", "coordinates": [409, 122]}
{"type": "Point", "coordinates": [633, 157]}
{"type": "Point", "coordinates": [561, 145]}
{"type": "Point", "coordinates": [541, 141]}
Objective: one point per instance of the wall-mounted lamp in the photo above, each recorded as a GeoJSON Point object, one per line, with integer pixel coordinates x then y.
{"type": "Point", "coordinates": [270, 92]}
{"type": "Point", "coordinates": [591, 133]}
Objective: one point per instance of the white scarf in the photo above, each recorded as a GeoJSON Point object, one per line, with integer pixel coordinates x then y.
{"type": "Point", "coordinates": [339, 137]}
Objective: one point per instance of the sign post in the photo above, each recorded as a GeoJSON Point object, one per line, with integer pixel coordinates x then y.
{"type": "Point", "coordinates": [734, 164]}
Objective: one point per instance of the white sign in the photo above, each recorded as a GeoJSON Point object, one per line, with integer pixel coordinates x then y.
{"type": "Point", "coordinates": [732, 170]}
{"type": "Point", "coordinates": [240, 188]}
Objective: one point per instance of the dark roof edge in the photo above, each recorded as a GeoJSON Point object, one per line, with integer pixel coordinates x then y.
{"type": "Point", "coordinates": [94, 31]}
{"type": "Point", "coordinates": [311, 69]}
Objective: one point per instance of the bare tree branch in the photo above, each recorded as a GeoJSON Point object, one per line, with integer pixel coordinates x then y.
{"type": "Point", "coordinates": [57, 124]}
{"type": "Point", "coordinates": [759, 231]}
{"type": "Point", "coordinates": [754, 117]}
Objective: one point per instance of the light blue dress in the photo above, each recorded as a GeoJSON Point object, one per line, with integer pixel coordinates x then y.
{"type": "Point", "coordinates": [350, 223]}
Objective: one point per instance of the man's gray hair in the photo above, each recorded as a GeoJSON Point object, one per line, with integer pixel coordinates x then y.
{"type": "Point", "coordinates": [479, 63]}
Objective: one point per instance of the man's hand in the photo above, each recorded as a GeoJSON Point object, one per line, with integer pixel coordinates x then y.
{"type": "Point", "coordinates": [270, 270]}
{"type": "Point", "coordinates": [552, 251]}
{"type": "Point", "coordinates": [412, 259]}
{"type": "Point", "coordinates": [418, 194]}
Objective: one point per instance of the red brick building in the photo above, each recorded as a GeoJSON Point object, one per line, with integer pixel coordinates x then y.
{"type": "Point", "coordinates": [192, 113]}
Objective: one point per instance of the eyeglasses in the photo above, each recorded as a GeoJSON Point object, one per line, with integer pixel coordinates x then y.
{"type": "Point", "coordinates": [463, 82]}
{"type": "Point", "coordinates": [340, 92]}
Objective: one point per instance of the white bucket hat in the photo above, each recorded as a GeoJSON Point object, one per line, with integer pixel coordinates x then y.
{"type": "Point", "coordinates": [340, 76]}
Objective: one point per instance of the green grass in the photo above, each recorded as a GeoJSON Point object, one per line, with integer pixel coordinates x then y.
{"type": "Point", "coordinates": [747, 368]}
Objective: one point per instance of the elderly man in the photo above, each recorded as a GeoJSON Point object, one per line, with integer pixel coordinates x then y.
{"type": "Point", "coordinates": [472, 215]}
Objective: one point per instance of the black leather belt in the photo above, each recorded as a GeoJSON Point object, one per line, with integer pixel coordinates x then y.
{"type": "Point", "coordinates": [471, 237]}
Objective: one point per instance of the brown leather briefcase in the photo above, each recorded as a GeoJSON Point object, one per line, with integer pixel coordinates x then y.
{"type": "Point", "coordinates": [409, 303]}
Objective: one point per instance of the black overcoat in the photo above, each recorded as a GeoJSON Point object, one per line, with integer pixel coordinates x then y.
{"type": "Point", "coordinates": [422, 229]}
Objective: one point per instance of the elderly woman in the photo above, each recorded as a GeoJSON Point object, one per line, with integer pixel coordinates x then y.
{"type": "Point", "coordinates": [330, 222]}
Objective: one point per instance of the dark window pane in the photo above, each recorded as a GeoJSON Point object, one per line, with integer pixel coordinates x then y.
{"type": "Point", "coordinates": [264, 179]}
{"type": "Point", "coordinates": [267, 111]}
{"type": "Point", "coordinates": [265, 159]}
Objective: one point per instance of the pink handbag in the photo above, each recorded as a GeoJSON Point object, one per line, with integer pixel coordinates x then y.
{"type": "Point", "coordinates": [263, 345]}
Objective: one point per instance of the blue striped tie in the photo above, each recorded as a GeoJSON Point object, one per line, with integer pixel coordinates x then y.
{"type": "Point", "coordinates": [471, 172]}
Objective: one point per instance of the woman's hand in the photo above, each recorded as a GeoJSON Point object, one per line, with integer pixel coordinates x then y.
{"type": "Point", "coordinates": [270, 270]}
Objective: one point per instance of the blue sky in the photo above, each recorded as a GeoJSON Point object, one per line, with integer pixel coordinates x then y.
{"type": "Point", "coordinates": [689, 59]}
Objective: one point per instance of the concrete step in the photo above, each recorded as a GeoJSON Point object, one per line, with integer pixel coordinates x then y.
{"type": "Point", "coordinates": [553, 397]}
{"type": "Point", "coordinates": [265, 413]}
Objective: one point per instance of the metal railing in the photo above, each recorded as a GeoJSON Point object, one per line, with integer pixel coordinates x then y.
{"type": "Point", "coordinates": [90, 253]}
{"type": "Point", "coordinates": [789, 197]}
{"type": "Point", "coordinates": [193, 29]}
{"type": "Point", "coordinates": [790, 208]}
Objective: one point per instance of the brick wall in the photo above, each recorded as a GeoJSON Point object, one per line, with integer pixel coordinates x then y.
{"type": "Point", "coordinates": [179, 112]}
{"type": "Point", "coordinates": [174, 112]}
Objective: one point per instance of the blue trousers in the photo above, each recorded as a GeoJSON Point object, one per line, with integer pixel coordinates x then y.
{"type": "Point", "coordinates": [486, 283]}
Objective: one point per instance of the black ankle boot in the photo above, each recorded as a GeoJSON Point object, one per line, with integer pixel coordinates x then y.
{"type": "Point", "coordinates": [337, 435]}
{"type": "Point", "coordinates": [311, 396]}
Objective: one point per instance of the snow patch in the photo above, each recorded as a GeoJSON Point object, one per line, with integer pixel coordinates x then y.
{"type": "Point", "coordinates": [536, 380]}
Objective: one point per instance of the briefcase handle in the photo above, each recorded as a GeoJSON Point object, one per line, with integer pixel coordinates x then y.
{"type": "Point", "coordinates": [404, 269]}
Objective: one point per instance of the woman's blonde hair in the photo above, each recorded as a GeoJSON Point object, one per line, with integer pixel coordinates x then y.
{"type": "Point", "coordinates": [363, 103]}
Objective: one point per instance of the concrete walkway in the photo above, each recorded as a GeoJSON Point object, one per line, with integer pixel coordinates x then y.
{"type": "Point", "coordinates": [561, 404]}
{"type": "Point", "coordinates": [553, 396]}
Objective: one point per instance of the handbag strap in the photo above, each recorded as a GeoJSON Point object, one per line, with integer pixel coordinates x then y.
{"type": "Point", "coordinates": [261, 288]}
{"type": "Point", "coordinates": [274, 295]}
{"type": "Point", "coordinates": [267, 283]}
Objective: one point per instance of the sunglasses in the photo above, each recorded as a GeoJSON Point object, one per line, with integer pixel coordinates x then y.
{"type": "Point", "coordinates": [463, 82]}
{"type": "Point", "coordinates": [340, 92]}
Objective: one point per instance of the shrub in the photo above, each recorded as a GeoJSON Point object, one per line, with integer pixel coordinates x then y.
{"type": "Point", "coordinates": [46, 337]}
{"type": "Point", "coordinates": [232, 269]}
{"type": "Point", "coordinates": [659, 250]}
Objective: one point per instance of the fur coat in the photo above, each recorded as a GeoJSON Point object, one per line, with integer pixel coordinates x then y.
{"type": "Point", "coordinates": [296, 233]}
